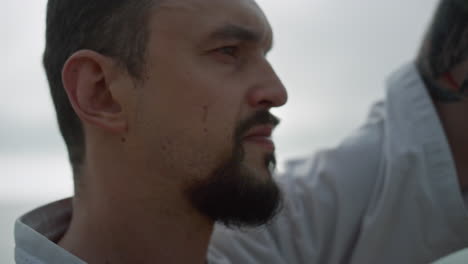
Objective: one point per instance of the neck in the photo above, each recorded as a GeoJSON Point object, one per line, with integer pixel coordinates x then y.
{"type": "Point", "coordinates": [128, 233]}
{"type": "Point", "coordinates": [443, 64]}
{"type": "Point", "coordinates": [117, 220]}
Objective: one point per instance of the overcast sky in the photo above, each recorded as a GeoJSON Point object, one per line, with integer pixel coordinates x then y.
{"type": "Point", "coordinates": [332, 55]}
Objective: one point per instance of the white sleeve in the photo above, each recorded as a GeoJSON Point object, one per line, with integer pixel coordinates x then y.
{"type": "Point", "coordinates": [325, 198]}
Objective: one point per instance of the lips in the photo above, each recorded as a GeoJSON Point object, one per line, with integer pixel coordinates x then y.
{"type": "Point", "coordinates": [261, 136]}
{"type": "Point", "coordinates": [260, 131]}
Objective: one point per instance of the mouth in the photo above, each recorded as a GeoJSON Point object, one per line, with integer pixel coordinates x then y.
{"type": "Point", "coordinates": [261, 136]}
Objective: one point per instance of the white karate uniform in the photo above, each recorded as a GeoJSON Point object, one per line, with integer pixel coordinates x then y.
{"type": "Point", "coordinates": [389, 193]}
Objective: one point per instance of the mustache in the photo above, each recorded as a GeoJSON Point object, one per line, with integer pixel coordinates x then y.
{"type": "Point", "coordinates": [259, 118]}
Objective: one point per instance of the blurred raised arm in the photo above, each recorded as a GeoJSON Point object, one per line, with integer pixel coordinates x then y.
{"type": "Point", "coordinates": [443, 64]}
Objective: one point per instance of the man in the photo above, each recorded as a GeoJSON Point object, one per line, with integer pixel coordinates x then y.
{"type": "Point", "coordinates": [164, 107]}
{"type": "Point", "coordinates": [396, 191]}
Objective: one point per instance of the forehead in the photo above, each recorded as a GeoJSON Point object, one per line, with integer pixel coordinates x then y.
{"type": "Point", "coordinates": [198, 17]}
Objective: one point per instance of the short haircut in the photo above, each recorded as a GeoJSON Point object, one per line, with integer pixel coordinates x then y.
{"type": "Point", "coordinates": [113, 28]}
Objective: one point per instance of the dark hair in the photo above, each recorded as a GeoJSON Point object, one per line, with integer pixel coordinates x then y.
{"type": "Point", "coordinates": [114, 28]}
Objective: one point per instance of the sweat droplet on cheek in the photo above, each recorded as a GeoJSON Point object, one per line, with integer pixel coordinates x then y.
{"type": "Point", "coordinates": [205, 113]}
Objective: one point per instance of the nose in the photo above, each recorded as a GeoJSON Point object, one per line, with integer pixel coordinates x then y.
{"type": "Point", "coordinates": [268, 90]}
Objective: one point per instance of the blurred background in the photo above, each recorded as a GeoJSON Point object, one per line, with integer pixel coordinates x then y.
{"type": "Point", "coordinates": [332, 55]}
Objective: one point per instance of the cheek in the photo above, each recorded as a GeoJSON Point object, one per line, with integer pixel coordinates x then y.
{"type": "Point", "coordinates": [200, 147]}
{"type": "Point", "coordinates": [211, 141]}
{"type": "Point", "coordinates": [190, 138]}
{"type": "Point", "coordinates": [188, 117]}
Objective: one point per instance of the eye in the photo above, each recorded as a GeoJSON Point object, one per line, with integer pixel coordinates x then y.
{"type": "Point", "coordinates": [231, 51]}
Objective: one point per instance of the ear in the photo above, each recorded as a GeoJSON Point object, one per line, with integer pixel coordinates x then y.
{"type": "Point", "coordinates": [87, 78]}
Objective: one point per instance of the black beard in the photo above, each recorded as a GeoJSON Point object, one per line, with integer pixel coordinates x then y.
{"type": "Point", "coordinates": [233, 195]}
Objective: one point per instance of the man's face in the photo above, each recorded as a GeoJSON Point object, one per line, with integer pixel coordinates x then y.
{"type": "Point", "coordinates": [202, 114]}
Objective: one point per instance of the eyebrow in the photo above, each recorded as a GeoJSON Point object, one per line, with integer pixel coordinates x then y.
{"type": "Point", "coordinates": [229, 32]}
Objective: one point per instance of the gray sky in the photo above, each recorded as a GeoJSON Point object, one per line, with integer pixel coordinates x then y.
{"type": "Point", "coordinates": [332, 55]}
